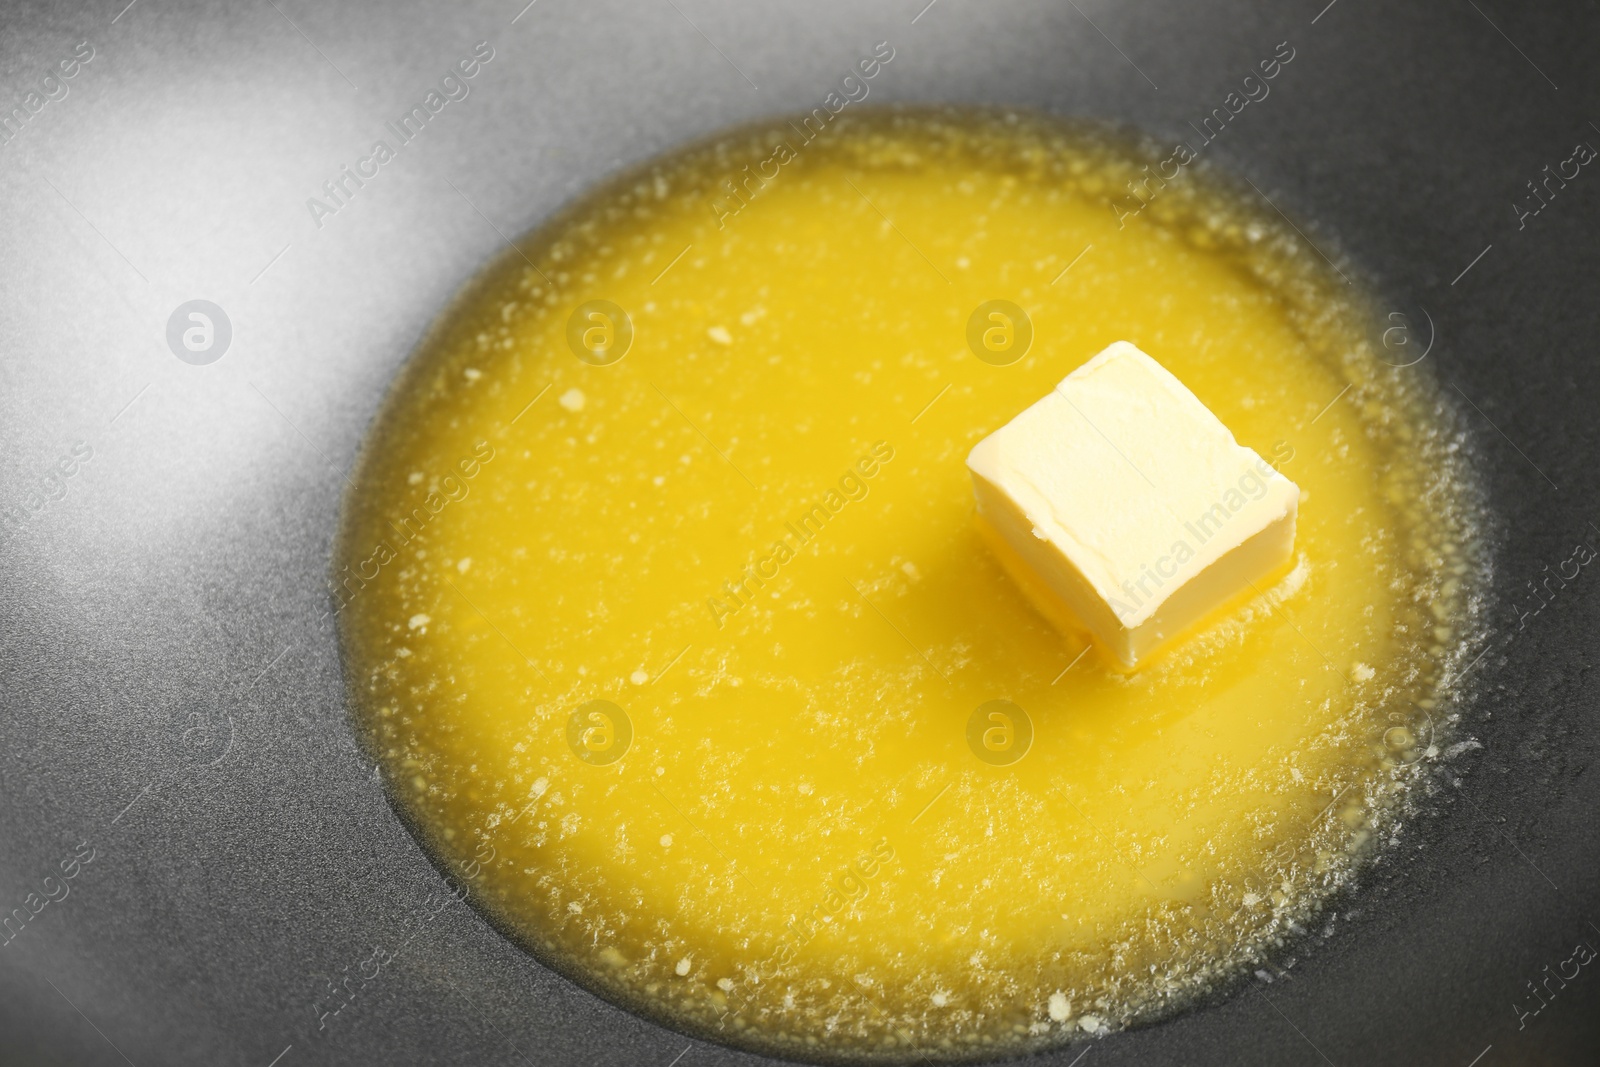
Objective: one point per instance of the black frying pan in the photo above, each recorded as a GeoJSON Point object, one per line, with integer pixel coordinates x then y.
{"type": "Point", "coordinates": [175, 756]}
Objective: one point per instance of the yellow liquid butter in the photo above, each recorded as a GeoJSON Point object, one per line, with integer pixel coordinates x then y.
{"type": "Point", "coordinates": [694, 667]}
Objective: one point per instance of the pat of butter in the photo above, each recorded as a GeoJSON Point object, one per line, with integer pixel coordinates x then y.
{"type": "Point", "coordinates": [1124, 507]}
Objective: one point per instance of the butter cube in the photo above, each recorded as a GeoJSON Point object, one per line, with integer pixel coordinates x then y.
{"type": "Point", "coordinates": [1124, 507]}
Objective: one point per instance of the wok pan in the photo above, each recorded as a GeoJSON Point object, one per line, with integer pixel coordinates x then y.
{"type": "Point", "coordinates": [200, 850]}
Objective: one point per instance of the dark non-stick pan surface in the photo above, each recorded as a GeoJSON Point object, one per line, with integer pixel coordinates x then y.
{"type": "Point", "coordinates": [175, 755]}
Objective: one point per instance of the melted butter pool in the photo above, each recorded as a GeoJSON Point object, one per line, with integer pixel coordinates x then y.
{"type": "Point", "coordinates": [686, 661]}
